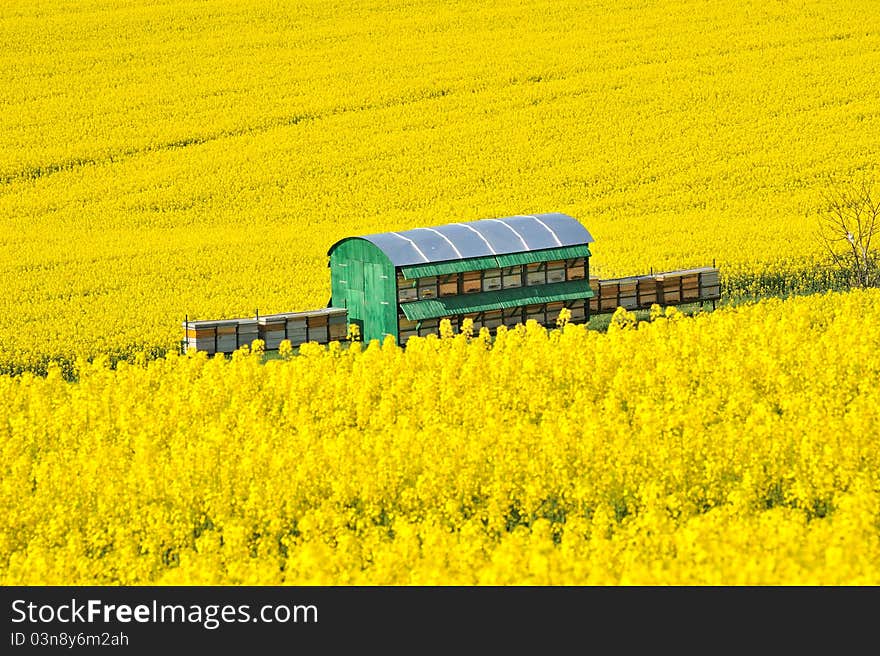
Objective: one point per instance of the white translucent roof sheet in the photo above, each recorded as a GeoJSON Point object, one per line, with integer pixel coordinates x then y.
{"type": "Point", "coordinates": [456, 241]}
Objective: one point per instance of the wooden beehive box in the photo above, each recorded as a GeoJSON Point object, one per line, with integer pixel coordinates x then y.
{"type": "Point", "coordinates": [710, 285]}
{"type": "Point", "coordinates": [578, 310]}
{"type": "Point", "coordinates": [510, 317]}
{"type": "Point", "coordinates": [247, 330]}
{"type": "Point", "coordinates": [338, 326]}
{"type": "Point", "coordinates": [272, 329]}
{"type": "Point", "coordinates": [594, 301]}
{"type": "Point", "coordinates": [477, 318]}
{"type": "Point", "coordinates": [200, 335]}
{"type": "Point", "coordinates": [647, 291]}
{"type": "Point", "coordinates": [322, 326]}
{"type": "Point", "coordinates": [668, 288]}
{"type": "Point", "coordinates": [553, 310]}
{"type": "Point", "coordinates": [628, 293]}
{"type": "Point", "coordinates": [493, 318]}
{"type": "Point", "coordinates": [535, 313]}
{"type": "Point", "coordinates": [227, 336]}
{"type": "Point", "coordinates": [297, 329]}
{"type": "Point", "coordinates": [608, 295]}
{"type": "Point", "coordinates": [690, 287]}
{"type": "Point", "coordinates": [318, 326]}
{"type": "Point", "coordinates": [406, 328]}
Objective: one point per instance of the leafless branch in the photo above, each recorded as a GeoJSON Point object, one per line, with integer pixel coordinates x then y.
{"type": "Point", "coordinates": [848, 223]}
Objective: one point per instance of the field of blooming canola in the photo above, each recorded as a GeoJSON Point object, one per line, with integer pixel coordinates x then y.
{"type": "Point", "coordinates": [167, 158]}
{"type": "Point", "coordinates": [735, 447]}
{"type": "Point", "coordinates": [159, 159]}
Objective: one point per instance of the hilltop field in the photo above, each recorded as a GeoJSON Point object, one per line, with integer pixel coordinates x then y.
{"type": "Point", "coordinates": [167, 159]}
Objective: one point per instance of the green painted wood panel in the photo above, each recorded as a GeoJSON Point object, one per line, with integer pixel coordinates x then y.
{"type": "Point", "coordinates": [362, 280]}
{"type": "Point", "coordinates": [356, 275]}
{"type": "Point", "coordinates": [381, 308]}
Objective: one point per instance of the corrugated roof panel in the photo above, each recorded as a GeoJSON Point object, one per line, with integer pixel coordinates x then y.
{"type": "Point", "coordinates": [500, 235]}
{"type": "Point", "coordinates": [539, 233]}
{"type": "Point", "coordinates": [479, 238]}
{"type": "Point", "coordinates": [398, 248]}
{"type": "Point", "coordinates": [462, 235]}
{"type": "Point", "coordinates": [434, 244]}
{"type": "Point", "coordinates": [568, 231]}
{"type": "Point", "coordinates": [505, 298]}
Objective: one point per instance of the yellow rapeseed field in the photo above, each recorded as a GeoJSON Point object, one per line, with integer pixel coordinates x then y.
{"type": "Point", "coordinates": [736, 447]}
{"type": "Point", "coordinates": [164, 158]}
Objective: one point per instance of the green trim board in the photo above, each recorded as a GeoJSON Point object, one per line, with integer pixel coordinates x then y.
{"type": "Point", "coordinates": [450, 266]}
{"type": "Point", "coordinates": [547, 255]}
{"type": "Point", "coordinates": [494, 261]}
{"type": "Point", "coordinates": [505, 298]}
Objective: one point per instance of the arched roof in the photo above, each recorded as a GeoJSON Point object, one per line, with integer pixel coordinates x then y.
{"type": "Point", "coordinates": [485, 237]}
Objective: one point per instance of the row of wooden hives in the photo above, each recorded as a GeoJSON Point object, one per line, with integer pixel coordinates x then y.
{"type": "Point", "coordinates": [225, 336]}
{"type": "Point", "coordinates": [331, 324]}
{"type": "Point", "coordinates": [668, 288]}
{"type": "Point", "coordinates": [545, 314]}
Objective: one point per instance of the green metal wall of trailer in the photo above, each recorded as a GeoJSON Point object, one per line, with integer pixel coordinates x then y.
{"type": "Point", "coordinates": [363, 280]}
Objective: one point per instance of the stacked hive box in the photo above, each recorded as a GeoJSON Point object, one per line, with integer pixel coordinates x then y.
{"type": "Point", "coordinates": [608, 295]}
{"type": "Point", "coordinates": [578, 311]}
{"type": "Point", "coordinates": [710, 284]}
{"type": "Point", "coordinates": [338, 325]}
{"type": "Point", "coordinates": [408, 328]}
{"type": "Point", "coordinates": [322, 326]}
{"type": "Point", "coordinates": [594, 301]}
{"type": "Point", "coordinates": [690, 287]}
{"type": "Point", "coordinates": [221, 336]}
{"type": "Point", "coordinates": [273, 329]}
{"type": "Point", "coordinates": [225, 336]}
{"type": "Point", "coordinates": [538, 276]}
{"type": "Point", "coordinates": [627, 293]}
{"type": "Point", "coordinates": [202, 335]}
{"type": "Point", "coordinates": [297, 330]}
{"type": "Point", "coordinates": [545, 314]}
{"type": "Point", "coordinates": [648, 291]}
{"type": "Point", "coordinates": [248, 331]}
{"type": "Point", "coordinates": [668, 288]}
{"type": "Point", "coordinates": [493, 318]}
{"type": "Point", "coordinates": [511, 316]}
{"type": "Point", "coordinates": [622, 292]}
{"type": "Point", "coordinates": [318, 327]}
